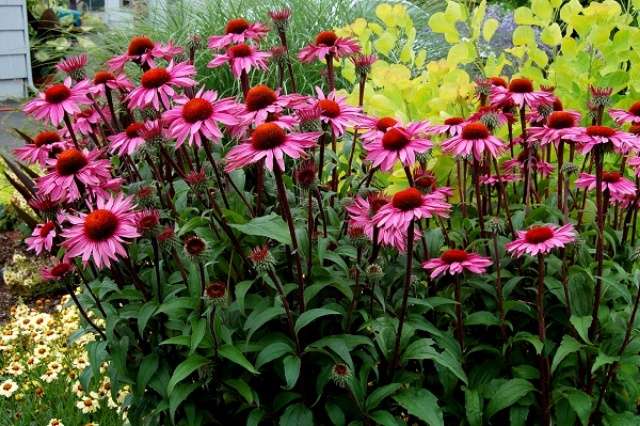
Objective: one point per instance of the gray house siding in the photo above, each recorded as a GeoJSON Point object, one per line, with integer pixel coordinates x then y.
{"type": "Point", "coordinates": [15, 61]}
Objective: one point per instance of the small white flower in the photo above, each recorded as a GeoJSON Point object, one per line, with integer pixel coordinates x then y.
{"type": "Point", "coordinates": [15, 369]}
{"type": "Point", "coordinates": [55, 422]}
{"type": "Point", "coordinates": [49, 376]}
{"type": "Point", "coordinates": [88, 405]}
{"type": "Point", "coordinates": [8, 388]}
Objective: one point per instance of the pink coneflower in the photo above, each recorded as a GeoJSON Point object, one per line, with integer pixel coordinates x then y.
{"type": "Point", "coordinates": [492, 180]}
{"type": "Point", "coordinates": [107, 187]}
{"type": "Point", "coordinates": [100, 234]}
{"type": "Point", "coordinates": [44, 143]}
{"type": "Point", "coordinates": [560, 125]}
{"type": "Point", "coordinates": [520, 162]}
{"type": "Point", "coordinates": [541, 240]}
{"type": "Point", "coordinates": [142, 50]}
{"type": "Point", "coordinates": [73, 66]}
{"type": "Point", "coordinates": [271, 143]}
{"type": "Point", "coordinates": [362, 210]}
{"type": "Point", "coordinates": [397, 143]}
{"type": "Point", "coordinates": [634, 163]}
{"type": "Point", "coordinates": [328, 43]}
{"type": "Point", "coordinates": [452, 126]}
{"type": "Point", "coordinates": [112, 81]}
{"type": "Point", "coordinates": [198, 117]}
{"type": "Point", "coordinates": [71, 167]}
{"type": "Point", "coordinates": [261, 101]}
{"type": "Point", "coordinates": [280, 17]}
{"type": "Point", "coordinates": [57, 272]}
{"type": "Point", "coordinates": [147, 221]}
{"type": "Point", "coordinates": [490, 116]}
{"type": "Point", "coordinates": [376, 127]}
{"type": "Point", "coordinates": [157, 85]}
{"type": "Point", "coordinates": [520, 93]}
{"type": "Point", "coordinates": [241, 57]}
{"type": "Point", "coordinates": [621, 142]}
{"type": "Point", "coordinates": [41, 238]}
{"type": "Point", "coordinates": [238, 31]}
{"type": "Point", "coordinates": [621, 116]}
{"type": "Point", "coordinates": [58, 99]}
{"type": "Point", "coordinates": [85, 121]}
{"type": "Point", "coordinates": [614, 182]}
{"type": "Point", "coordinates": [456, 262]}
{"type": "Point", "coordinates": [475, 139]}
{"type": "Point", "coordinates": [129, 140]}
{"type": "Point", "coordinates": [407, 205]}
{"type": "Point", "coordinates": [626, 201]}
{"type": "Point", "coordinates": [363, 63]}
{"type": "Point", "coordinates": [335, 111]}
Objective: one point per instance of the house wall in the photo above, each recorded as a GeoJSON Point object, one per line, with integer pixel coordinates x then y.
{"type": "Point", "coordinates": [15, 60]}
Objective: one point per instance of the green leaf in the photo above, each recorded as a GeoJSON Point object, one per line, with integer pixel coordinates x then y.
{"type": "Point", "coordinates": [551, 35]}
{"type": "Point", "coordinates": [422, 350]}
{"type": "Point", "coordinates": [335, 413]}
{"type": "Point", "coordinates": [385, 418]}
{"type": "Point", "coordinates": [255, 417]}
{"type": "Point", "coordinates": [271, 352]}
{"type": "Point", "coordinates": [291, 365]}
{"type": "Point", "coordinates": [184, 369]}
{"type": "Point", "coordinates": [568, 346]}
{"type": "Point", "coordinates": [270, 226]}
{"type": "Point", "coordinates": [582, 325]}
{"type": "Point", "coordinates": [144, 314]}
{"type": "Point", "coordinates": [243, 389]}
{"type": "Point", "coordinates": [148, 368]}
{"type": "Point", "coordinates": [259, 318]}
{"type": "Point", "coordinates": [482, 318]}
{"type": "Point", "coordinates": [179, 394]}
{"type": "Point", "coordinates": [533, 339]}
{"type": "Point", "coordinates": [378, 395]}
{"type": "Point", "coordinates": [422, 404]}
{"type": "Point", "coordinates": [311, 315]}
{"type": "Point", "coordinates": [473, 407]}
{"type": "Point", "coordinates": [581, 404]}
{"type": "Point", "coordinates": [489, 28]}
{"type": "Point", "coordinates": [296, 415]}
{"type": "Point", "coordinates": [233, 354]}
{"type": "Point", "coordinates": [603, 359]}
{"type": "Point", "coordinates": [508, 394]}
{"type": "Point", "coordinates": [199, 327]}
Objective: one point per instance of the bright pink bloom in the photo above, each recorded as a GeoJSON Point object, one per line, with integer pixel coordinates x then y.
{"type": "Point", "coordinates": [621, 116]}
{"type": "Point", "coordinates": [452, 126]}
{"type": "Point", "coordinates": [42, 237]}
{"type": "Point", "coordinates": [634, 163]}
{"type": "Point", "coordinates": [328, 43]}
{"type": "Point", "coordinates": [376, 127]}
{"type": "Point", "coordinates": [621, 142]}
{"type": "Point", "coordinates": [397, 143]}
{"type": "Point", "coordinates": [100, 234]}
{"type": "Point", "coordinates": [238, 31]}
{"type": "Point", "coordinates": [474, 139]}
{"type": "Point", "coordinates": [519, 163]}
{"type": "Point", "coordinates": [198, 117]}
{"type": "Point", "coordinates": [559, 125]}
{"type": "Point", "coordinates": [129, 140]}
{"type": "Point", "coordinates": [490, 116]}
{"type": "Point", "coordinates": [541, 240]}
{"type": "Point", "coordinates": [241, 57]}
{"type": "Point", "coordinates": [613, 182]}
{"type": "Point", "coordinates": [86, 121]}
{"type": "Point", "coordinates": [57, 272]}
{"type": "Point", "coordinates": [625, 200]}
{"type": "Point", "coordinates": [456, 262]}
{"type": "Point", "coordinates": [68, 169]}
{"type": "Point", "coordinates": [143, 51]}
{"type": "Point", "coordinates": [408, 205]}
{"type": "Point", "coordinates": [157, 85]}
{"type": "Point", "coordinates": [44, 143]}
{"type": "Point", "coordinates": [261, 102]}
{"type": "Point", "coordinates": [58, 100]}
{"type": "Point", "coordinates": [271, 143]}
{"type": "Point", "coordinates": [493, 180]}
{"type": "Point", "coordinates": [362, 210]}
{"type": "Point", "coordinates": [73, 64]}
{"type": "Point", "coordinates": [112, 81]}
{"type": "Point", "coordinates": [335, 111]}
{"type": "Point", "coordinates": [520, 93]}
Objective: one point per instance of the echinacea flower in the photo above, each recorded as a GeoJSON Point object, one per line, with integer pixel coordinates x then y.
{"type": "Point", "coordinates": [613, 182]}
{"type": "Point", "coordinates": [455, 262]}
{"type": "Point", "coordinates": [541, 240]}
{"type": "Point", "coordinates": [452, 126]}
{"type": "Point", "coordinates": [128, 141]}
{"type": "Point", "coordinates": [86, 121]}
{"type": "Point", "coordinates": [475, 139]}
{"type": "Point", "coordinates": [634, 163]}
{"type": "Point", "coordinates": [621, 142]}
{"type": "Point", "coordinates": [237, 31]}
{"type": "Point", "coordinates": [490, 116]}
{"type": "Point", "coordinates": [363, 63]}
{"type": "Point", "coordinates": [520, 93]}
{"type": "Point", "coordinates": [328, 43]}
{"type": "Point", "coordinates": [520, 162]}
{"type": "Point", "coordinates": [270, 142]}
{"type": "Point", "coordinates": [198, 117]}
{"type": "Point", "coordinates": [241, 57]}
{"type": "Point", "coordinates": [407, 205]}
{"type": "Point", "coordinates": [280, 17]}
{"type": "Point", "coordinates": [100, 235]}
{"type": "Point", "coordinates": [69, 168]}
{"type": "Point", "coordinates": [631, 115]}
{"type": "Point", "coordinates": [376, 127]}
{"type": "Point", "coordinates": [492, 180]}
{"type": "Point", "coordinates": [56, 272]}
{"type": "Point", "coordinates": [143, 51]}
{"type": "Point", "coordinates": [73, 66]}
{"type": "Point", "coordinates": [336, 112]}
{"type": "Point", "coordinates": [58, 100]}
{"type": "Point", "coordinates": [41, 238]}
{"type": "Point", "coordinates": [262, 101]}
{"type": "Point", "coordinates": [44, 143]}
{"type": "Point", "coordinates": [362, 210]}
{"type": "Point", "coordinates": [103, 79]}
{"type": "Point", "coordinates": [560, 125]}
{"type": "Point", "coordinates": [397, 143]}
{"type": "Point", "coordinates": [156, 85]}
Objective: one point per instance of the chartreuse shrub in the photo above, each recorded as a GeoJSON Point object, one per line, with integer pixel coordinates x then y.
{"type": "Point", "coordinates": [450, 242]}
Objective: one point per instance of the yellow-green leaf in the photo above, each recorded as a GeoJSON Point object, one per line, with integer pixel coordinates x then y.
{"type": "Point", "coordinates": [524, 35]}
{"type": "Point", "coordinates": [551, 35]}
{"type": "Point", "coordinates": [489, 29]}
{"type": "Point", "coordinates": [385, 43]}
{"type": "Point", "coordinates": [542, 9]}
{"type": "Point", "coordinates": [523, 16]}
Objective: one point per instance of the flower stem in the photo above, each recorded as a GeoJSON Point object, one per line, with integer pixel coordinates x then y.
{"type": "Point", "coordinates": [560, 155]}
{"type": "Point", "coordinates": [356, 291]}
{"type": "Point", "coordinates": [459, 320]}
{"type": "Point", "coordinates": [83, 313]}
{"type": "Point", "coordinates": [593, 328]}
{"type": "Point", "coordinates": [286, 212]}
{"type": "Point", "coordinates": [244, 83]}
{"type": "Point", "coordinates": [331, 78]}
{"type": "Point", "coordinates": [283, 40]}
{"type": "Point", "coordinates": [405, 298]}
{"type": "Point", "coordinates": [544, 360]}
{"type": "Point", "coordinates": [476, 179]}
{"type": "Point", "coordinates": [67, 122]}
{"type": "Point", "coordinates": [499, 293]}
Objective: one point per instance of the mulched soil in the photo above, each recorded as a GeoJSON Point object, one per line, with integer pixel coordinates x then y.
{"type": "Point", "coordinates": [9, 242]}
